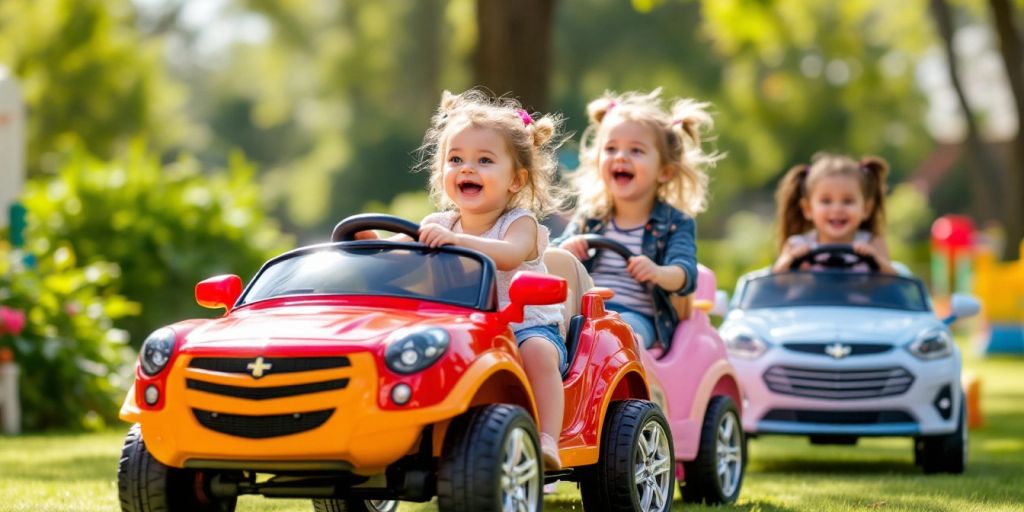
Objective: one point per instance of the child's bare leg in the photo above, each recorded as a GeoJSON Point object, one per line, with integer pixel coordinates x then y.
{"type": "Point", "coordinates": [541, 361]}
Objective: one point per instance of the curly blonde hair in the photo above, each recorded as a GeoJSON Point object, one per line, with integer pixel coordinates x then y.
{"type": "Point", "coordinates": [531, 142]}
{"type": "Point", "coordinates": [677, 134]}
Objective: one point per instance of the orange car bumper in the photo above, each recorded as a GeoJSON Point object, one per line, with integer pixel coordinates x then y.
{"type": "Point", "coordinates": [356, 435]}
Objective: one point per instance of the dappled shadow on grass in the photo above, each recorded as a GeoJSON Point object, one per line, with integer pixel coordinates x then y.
{"type": "Point", "coordinates": [837, 467]}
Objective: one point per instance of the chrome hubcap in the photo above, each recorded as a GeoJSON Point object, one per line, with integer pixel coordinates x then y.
{"type": "Point", "coordinates": [730, 456]}
{"type": "Point", "coordinates": [653, 468]}
{"type": "Point", "coordinates": [520, 473]}
{"type": "Point", "coordinates": [382, 505]}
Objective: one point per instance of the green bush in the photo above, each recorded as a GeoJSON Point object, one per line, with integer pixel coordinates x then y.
{"type": "Point", "coordinates": [166, 227]}
{"type": "Point", "coordinates": [75, 366]}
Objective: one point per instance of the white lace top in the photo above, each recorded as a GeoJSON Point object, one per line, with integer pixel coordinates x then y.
{"type": "Point", "coordinates": [533, 315]}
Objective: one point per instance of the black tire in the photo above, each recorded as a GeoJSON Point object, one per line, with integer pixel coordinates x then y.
{"type": "Point", "coordinates": [611, 485]}
{"type": "Point", "coordinates": [336, 505]}
{"type": "Point", "coordinates": [944, 453]}
{"type": "Point", "coordinates": [144, 484]}
{"type": "Point", "coordinates": [476, 448]}
{"type": "Point", "coordinates": [720, 434]}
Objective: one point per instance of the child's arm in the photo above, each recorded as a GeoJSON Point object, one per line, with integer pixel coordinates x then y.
{"type": "Point", "coordinates": [519, 244]}
{"type": "Point", "coordinates": [678, 271]}
{"type": "Point", "coordinates": [880, 251]}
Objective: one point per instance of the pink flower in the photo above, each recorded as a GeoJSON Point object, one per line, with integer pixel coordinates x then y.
{"type": "Point", "coordinates": [11, 320]}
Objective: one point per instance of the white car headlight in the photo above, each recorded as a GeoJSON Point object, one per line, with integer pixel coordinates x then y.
{"type": "Point", "coordinates": [932, 344]}
{"type": "Point", "coordinates": [744, 343]}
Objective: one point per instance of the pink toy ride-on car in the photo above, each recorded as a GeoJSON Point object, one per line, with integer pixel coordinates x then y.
{"type": "Point", "coordinates": [701, 394]}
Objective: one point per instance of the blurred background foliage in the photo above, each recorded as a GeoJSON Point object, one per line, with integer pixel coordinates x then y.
{"type": "Point", "coordinates": [169, 140]}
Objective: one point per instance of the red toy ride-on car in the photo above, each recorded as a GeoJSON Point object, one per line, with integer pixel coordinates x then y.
{"type": "Point", "coordinates": [356, 373]}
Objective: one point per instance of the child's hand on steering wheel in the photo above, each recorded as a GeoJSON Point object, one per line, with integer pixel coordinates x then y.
{"type": "Point", "coordinates": [578, 246]}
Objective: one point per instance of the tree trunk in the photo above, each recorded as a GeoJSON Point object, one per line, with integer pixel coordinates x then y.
{"type": "Point", "coordinates": [984, 169]}
{"type": "Point", "coordinates": [1013, 192]}
{"type": "Point", "coordinates": [513, 52]}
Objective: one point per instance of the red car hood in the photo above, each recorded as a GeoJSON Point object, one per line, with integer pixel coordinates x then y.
{"type": "Point", "coordinates": [333, 325]}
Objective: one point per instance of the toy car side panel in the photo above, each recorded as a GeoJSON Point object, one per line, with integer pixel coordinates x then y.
{"type": "Point", "coordinates": [604, 366]}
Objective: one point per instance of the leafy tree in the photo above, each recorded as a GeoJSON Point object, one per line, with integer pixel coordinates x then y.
{"type": "Point", "coordinates": [89, 77]}
{"type": "Point", "coordinates": [165, 227]}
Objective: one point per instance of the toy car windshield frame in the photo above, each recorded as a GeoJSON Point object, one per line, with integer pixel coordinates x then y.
{"type": "Point", "coordinates": [832, 288]}
{"type": "Point", "coordinates": [482, 299]}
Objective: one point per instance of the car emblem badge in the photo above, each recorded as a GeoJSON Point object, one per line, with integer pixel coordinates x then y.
{"type": "Point", "coordinates": [258, 367]}
{"type": "Point", "coordinates": [838, 350]}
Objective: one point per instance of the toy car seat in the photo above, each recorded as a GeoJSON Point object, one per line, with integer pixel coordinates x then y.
{"type": "Point", "coordinates": [563, 264]}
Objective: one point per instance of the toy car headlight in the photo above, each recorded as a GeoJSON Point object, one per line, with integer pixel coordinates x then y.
{"type": "Point", "coordinates": [156, 351]}
{"type": "Point", "coordinates": [744, 343]}
{"type": "Point", "coordinates": [932, 344]}
{"type": "Point", "coordinates": [415, 350]}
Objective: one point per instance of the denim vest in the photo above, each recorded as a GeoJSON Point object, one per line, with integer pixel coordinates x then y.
{"type": "Point", "coordinates": [670, 238]}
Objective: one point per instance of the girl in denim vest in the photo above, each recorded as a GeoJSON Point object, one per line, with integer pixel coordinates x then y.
{"type": "Point", "coordinates": [641, 181]}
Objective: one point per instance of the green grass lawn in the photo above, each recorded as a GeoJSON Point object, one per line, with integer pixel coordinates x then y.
{"type": "Point", "coordinates": [78, 472]}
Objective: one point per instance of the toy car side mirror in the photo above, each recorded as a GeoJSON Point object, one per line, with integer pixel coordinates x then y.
{"type": "Point", "coordinates": [533, 289]}
{"type": "Point", "coordinates": [721, 303]}
{"type": "Point", "coordinates": [219, 291]}
{"type": "Point", "coordinates": [962, 306]}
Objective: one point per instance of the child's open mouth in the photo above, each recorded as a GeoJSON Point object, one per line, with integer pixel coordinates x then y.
{"type": "Point", "coordinates": [622, 178]}
{"type": "Point", "coordinates": [470, 189]}
{"type": "Point", "coordinates": [837, 223]}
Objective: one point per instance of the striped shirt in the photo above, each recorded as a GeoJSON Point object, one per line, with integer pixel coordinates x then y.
{"type": "Point", "coordinates": [610, 271]}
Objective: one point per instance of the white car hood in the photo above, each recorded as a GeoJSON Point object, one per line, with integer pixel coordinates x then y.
{"type": "Point", "coordinates": [825, 324]}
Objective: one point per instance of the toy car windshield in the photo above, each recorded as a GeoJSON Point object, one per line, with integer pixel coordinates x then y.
{"type": "Point", "coordinates": [834, 289]}
{"type": "Point", "coordinates": [376, 269]}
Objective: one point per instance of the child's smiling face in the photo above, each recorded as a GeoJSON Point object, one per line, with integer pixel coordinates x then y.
{"type": "Point", "coordinates": [629, 160]}
{"type": "Point", "coordinates": [479, 171]}
{"type": "Point", "coordinates": [836, 206]}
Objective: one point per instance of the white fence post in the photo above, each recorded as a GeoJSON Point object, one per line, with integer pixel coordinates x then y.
{"type": "Point", "coordinates": [10, 403]}
{"type": "Point", "coordinates": [12, 143]}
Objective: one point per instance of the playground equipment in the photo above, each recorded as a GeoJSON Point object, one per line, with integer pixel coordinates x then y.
{"type": "Point", "coordinates": [1000, 286]}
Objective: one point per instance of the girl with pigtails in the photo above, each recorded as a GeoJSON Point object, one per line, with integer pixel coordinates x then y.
{"type": "Point", "coordinates": [641, 182]}
{"type": "Point", "coordinates": [834, 200]}
{"type": "Point", "coordinates": [491, 168]}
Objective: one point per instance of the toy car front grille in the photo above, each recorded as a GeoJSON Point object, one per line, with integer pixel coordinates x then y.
{"type": "Point", "coordinates": [276, 364]}
{"type": "Point", "coordinates": [839, 417]}
{"type": "Point", "coordinates": [838, 384]}
{"type": "Point", "coordinates": [856, 349]}
{"type": "Point", "coordinates": [261, 427]}
{"type": "Point", "coordinates": [265, 393]}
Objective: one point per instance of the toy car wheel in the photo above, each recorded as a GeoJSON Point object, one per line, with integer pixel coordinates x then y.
{"type": "Point", "coordinates": [146, 485]}
{"type": "Point", "coordinates": [332, 505]}
{"type": "Point", "coordinates": [635, 469]}
{"type": "Point", "coordinates": [491, 462]}
{"type": "Point", "coordinates": [716, 475]}
{"type": "Point", "coordinates": [945, 453]}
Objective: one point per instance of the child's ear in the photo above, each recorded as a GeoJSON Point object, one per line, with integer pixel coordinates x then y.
{"type": "Point", "coordinates": [805, 208]}
{"type": "Point", "coordinates": [519, 180]}
{"type": "Point", "coordinates": [668, 171]}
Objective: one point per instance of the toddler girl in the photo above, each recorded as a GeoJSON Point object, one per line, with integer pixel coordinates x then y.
{"type": "Point", "coordinates": [491, 167]}
{"type": "Point", "coordinates": [835, 200]}
{"type": "Point", "coordinates": [640, 182]}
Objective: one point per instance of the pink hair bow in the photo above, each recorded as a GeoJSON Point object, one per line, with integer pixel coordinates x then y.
{"type": "Point", "coordinates": [525, 116]}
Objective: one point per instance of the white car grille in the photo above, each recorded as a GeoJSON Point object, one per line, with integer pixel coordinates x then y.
{"type": "Point", "coordinates": [835, 384]}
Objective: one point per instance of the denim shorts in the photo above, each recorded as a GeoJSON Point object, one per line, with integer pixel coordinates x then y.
{"type": "Point", "coordinates": [642, 325]}
{"type": "Point", "coordinates": [549, 332]}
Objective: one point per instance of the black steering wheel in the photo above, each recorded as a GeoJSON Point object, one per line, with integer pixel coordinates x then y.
{"type": "Point", "coordinates": [600, 242]}
{"type": "Point", "coordinates": [345, 231]}
{"type": "Point", "coordinates": [835, 256]}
